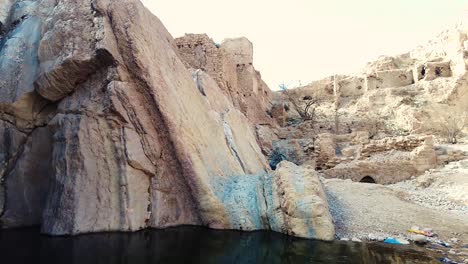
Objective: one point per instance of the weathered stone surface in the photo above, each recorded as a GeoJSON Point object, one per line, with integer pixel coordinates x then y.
{"type": "Point", "coordinates": [386, 161]}
{"type": "Point", "coordinates": [108, 130]}
{"type": "Point", "coordinates": [433, 70]}
{"type": "Point", "coordinates": [5, 6]}
{"type": "Point", "coordinates": [266, 136]}
{"type": "Point", "coordinates": [18, 60]}
{"type": "Point", "coordinates": [278, 112]}
{"type": "Point", "coordinates": [351, 86]}
{"type": "Point", "coordinates": [241, 49]}
{"type": "Point", "coordinates": [11, 145]}
{"type": "Point", "coordinates": [408, 93]}
{"type": "Point", "coordinates": [231, 65]}
{"type": "Point", "coordinates": [298, 203]}
{"type": "Point", "coordinates": [26, 182]}
{"type": "Point", "coordinates": [386, 79]}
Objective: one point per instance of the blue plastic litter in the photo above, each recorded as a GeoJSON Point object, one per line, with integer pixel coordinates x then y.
{"type": "Point", "coordinates": [392, 241]}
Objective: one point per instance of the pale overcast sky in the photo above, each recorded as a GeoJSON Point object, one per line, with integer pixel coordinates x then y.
{"type": "Point", "coordinates": [309, 39]}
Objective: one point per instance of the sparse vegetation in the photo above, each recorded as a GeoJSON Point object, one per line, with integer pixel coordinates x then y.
{"type": "Point", "coordinates": [306, 106]}
{"type": "Point", "coordinates": [451, 127]}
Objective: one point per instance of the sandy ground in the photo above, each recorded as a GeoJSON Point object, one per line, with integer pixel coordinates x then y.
{"type": "Point", "coordinates": [436, 200]}
{"type": "Point", "coordinates": [361, 209]}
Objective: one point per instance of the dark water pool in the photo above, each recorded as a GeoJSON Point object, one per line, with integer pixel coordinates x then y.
{"type": "Point", "coordinates": [193, 245]}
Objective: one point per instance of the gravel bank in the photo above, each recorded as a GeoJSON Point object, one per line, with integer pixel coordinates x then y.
{"type": "Point", "coordinates": [373, 212]}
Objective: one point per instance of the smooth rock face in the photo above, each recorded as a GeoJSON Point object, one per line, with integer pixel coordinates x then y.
{"type": "Point", "coordinates": [105, 129]}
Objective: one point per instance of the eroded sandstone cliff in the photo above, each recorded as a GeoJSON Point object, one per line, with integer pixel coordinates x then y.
{"type": "Point", "coordinates": [104, 128]}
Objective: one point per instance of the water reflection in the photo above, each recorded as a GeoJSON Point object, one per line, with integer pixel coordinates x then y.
{"type": "Point", "coordinates": [192, 245]}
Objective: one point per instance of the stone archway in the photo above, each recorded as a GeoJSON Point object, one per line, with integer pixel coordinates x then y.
{"type": "Point", "coordinates": [367, 179]}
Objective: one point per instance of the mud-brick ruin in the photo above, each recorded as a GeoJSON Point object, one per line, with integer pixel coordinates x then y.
{"type": "Point", "coordinates": [384, 123]}
{"type": "Point", "coordinates": [231, 65]}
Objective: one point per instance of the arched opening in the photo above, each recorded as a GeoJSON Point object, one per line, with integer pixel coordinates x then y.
{"type": "Point", "coordinates": [367, 179]}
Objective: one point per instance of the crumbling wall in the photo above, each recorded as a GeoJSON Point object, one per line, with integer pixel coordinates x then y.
{"type": "Point", "coordinates": [322, 88]}
{"type": "Point", "coordinates": [449, 45]}
{"type": "Point", "coordinates": [351, 86]}
{"type": "Point", "coordinates": [387, 161]}
{"type": "Point", "coordinates": [432, 70]}
{"type": "Point", "coordinates": [325, 150]}
{"type": "Point", "coordinates": [393, 160]}
{"type": "Point", "coordinates": [408, 143]}
{"type": "Point", "coordinates": [386, 79]}
{"type": "Point", "coordinates": [388, 172]}
{"type": "Point", "coordinates": [231, 65]}
{"type": "Point", "coordinates": [200, 52]}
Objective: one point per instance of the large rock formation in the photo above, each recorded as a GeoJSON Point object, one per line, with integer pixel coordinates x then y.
{"type": "Point", "coordinates": [105, 129]}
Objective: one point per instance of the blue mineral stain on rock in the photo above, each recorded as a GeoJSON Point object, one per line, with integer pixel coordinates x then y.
{"type": "Point", "coordinates": [19, 59]}
{"type": "Point", "coordinates": [298, 182]}
{"type": "Point", "coordinates": [242, 197]}
{"type": "Point", "coordinates": [276, 214]}
{"type": "Point", "coordinates": [275, 219]}
{"type": "Point", "coordinates": [304, 206]}
{"type": "Point", "coordinates": [23, 9]}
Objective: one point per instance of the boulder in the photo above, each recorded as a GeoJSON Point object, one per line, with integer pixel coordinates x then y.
{"type": "Point", "coordinates": [298, 204]}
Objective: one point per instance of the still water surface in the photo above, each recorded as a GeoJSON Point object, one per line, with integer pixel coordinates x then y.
{"type": "Point", "coordinates": [193, 245]}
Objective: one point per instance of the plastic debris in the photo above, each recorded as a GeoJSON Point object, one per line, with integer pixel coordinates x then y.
{"type": "Point", "coordinates": [442, 243]}
{"type": "Point", "coordinates": [447, 260]}
{"type": "Point", "coordinates": [420, 239]}
{"type": "Point", "coordinates": [394, 241]}
{"type": "Point", "coordinates": [421, 232]}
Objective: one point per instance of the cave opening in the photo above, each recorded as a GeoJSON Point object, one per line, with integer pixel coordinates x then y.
{"type": "Point", "coordinates": [367, 179]}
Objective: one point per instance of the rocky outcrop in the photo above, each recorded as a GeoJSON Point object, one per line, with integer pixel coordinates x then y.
{"type": "Point", "coordinates": [106, 129]}
{"type": "Point", "coordinates": [299, 204]}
